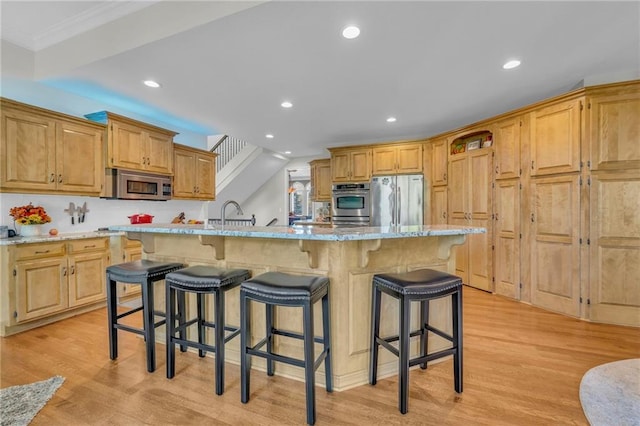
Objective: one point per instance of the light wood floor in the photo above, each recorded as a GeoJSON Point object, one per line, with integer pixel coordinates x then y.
{"type": "Point", "coordinates": [522, 366]}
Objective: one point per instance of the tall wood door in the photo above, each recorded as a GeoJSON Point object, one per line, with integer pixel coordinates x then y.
{"type": "Point", "coordinates": [28, 153]}
{"type": "Point", "coordinates": [41, 287]}
{"type": "Point", "coordinates": [79, 158]}
{"type": "Point", "coordinates": [555, 138]}
{"type": "Point", "coordinates": [506, 140]}
{"type": "Point", "coordinates": [87, 280]}
{"type": "Point", "coordinates": [439, 158]}
{"type": "Point", "coordinates": [184, 178]}
{"type": "Point", "coordinates": [470, 204]}
{"type": "Point", "coordinates": [614, 289]}
{"type": "Point", "coordinates": [614, 130]}
{"type": "Point", "coordinates": [128, 145]}
{"type": "Point", "coordinates": [555, 244]}
{"type": "Point", "coordinates": [205, 176]}
{"type": "Point", "coordinates": [507, 238]}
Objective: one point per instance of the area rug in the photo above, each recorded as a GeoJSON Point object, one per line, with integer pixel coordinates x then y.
{"type": "Point", "coordinates": [610, 394]}
{"type": "Point", "coordinates": [20, 404]}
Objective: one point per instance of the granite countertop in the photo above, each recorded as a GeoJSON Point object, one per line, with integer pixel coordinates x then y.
{"type": "Point", "coordinates": [60, 237]}
{"type": "Point", "coordinates": [320, 233]}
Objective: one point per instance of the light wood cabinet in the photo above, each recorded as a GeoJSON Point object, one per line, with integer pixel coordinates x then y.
{"type": "Point", "coordinates": [470, 204]}
{"type": "Point", "coordinates": [439, 205]}
{"type": "Point", "coordinates": [507, 238]}
{"type": "Point", "coordinates": [194, 173]}
{"type": "Point", "coordinates": [135, 145]}
{"type": "Point", "coordinates": [439, 163]}
{"type": "Point", "coordinates": [46, 152]}
{"type": "Point", "coordinates": [399, 158]}
{"type": "Point", "coordinates": [555, 138]}
{"type": "Point", "coordinates": [506, 142]}
{"type": "Point", "coordinates": [131, 251]}
{"type": "Point", "coordinates": [53, 277]}
{"type": "Point", "coordinates": [613, 128]}
{"type": "Point", "coordinates": [320, 180]}
{"type": "Point", "coordinates": [350, 165]}
{"type": "Point", "coordinates": [555, 243]}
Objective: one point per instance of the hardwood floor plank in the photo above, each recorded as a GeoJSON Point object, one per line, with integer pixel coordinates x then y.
{"type": "Point", "coordinates": [522, 365]}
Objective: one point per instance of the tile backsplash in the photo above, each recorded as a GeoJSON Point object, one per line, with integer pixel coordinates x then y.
{"type": "Point", "coordinates": [101, 212]}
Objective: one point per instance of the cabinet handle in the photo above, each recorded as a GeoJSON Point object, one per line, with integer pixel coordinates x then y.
{"type": "Point", "coordinates": [60, 178]}
{"type": "Point", "coordinates": [91, 246]}
{"type": "Point", "coordinates": [532, 218]}
{"type": "Point", "coordinates": [532, 162]}
{"type": "Point", "coordinates": [73, 269]}
{"type": "Point", "coordinates": [64, 271]}
{"type": "Point", "coordinates": [444, 176]}
{"type": "Point", "coordinates": [496, 216]}
{"type": "Point", "coordinates": [42, 251]}
{"type": "Point", "coordinates": [497, 170]}
{"type": "Point", "coordinates": [52, 178]}
{"type": "Point", "coordinates": [148, 161]}
{"type": "Point", "coordinates": [444, 215]}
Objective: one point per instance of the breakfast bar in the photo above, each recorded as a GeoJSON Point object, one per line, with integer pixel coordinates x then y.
{"type": "Point", "coordinates": [349, 257]}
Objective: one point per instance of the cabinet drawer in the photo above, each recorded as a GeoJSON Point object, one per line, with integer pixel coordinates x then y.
{"type": "Point", "coordinates": [34, 251]}
{"type": "Point", "coordinates": [91, 244]}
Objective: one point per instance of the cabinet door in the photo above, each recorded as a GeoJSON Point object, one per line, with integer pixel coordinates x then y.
{"type": "Point", "coordinates": [205, 177]}
{"type": "Point", "coordinates": [184, 178]}
{"type": "Point", "coordinates": [480, 215]}
{"type": "Point", "coordinates": [340, 166]}
{"type": "Point", "coordinates": [159, 153]}
{"type": "Point", "coordinates": [458, 188]}
{"type": "Point", "coordinates": [439, 162]}
{"type": "Point", "coordinates": [409, 158]}
{"type": "Point", "coordinates": [127, 146]}
{"type": "Point", "coordinates": [555, 138]}
{"type": "Point", "coordinates": [27, 149]}
{"type": "Point", "coordinates": [507, 238]}
{"type": "Point", "coordinates": [555, 248]}
{"type": "Point", "coordinates": [614, 131]}
{"type": "Point", "coordinates": [361, 165]}
{"type": "Point", "coordinates": [439, 205]}
{"type": "Point", "coordinates": [614, 288]}
{"type": "Point", "coordinates": [462, 252]}
{"type": "Point", "coordinates": [41, 287]}
{"type": "Point", "coordinates": [131, 252]}
{"type": "Point", "coordinates": [384, 160]}
{"type": "Point", "coordinates": [506, 140]}
{"type": "Point", "coordinates": [323, 181]}
{"type": "Point", "coordinates": [87, 280]}
{"type": "Point", "coordinates": [79, 158]}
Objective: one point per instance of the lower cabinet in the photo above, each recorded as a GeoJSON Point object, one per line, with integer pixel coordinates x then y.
{"type": "Point", "coordinates": [45, 279]}
{"type": "Point", "coordinates": [131, 250]}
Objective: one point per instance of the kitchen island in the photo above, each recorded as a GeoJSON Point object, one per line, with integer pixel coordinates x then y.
{"type": "Point", "coordinates": [348, 256]}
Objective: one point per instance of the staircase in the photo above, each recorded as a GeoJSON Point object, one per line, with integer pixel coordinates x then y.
{"type": "Point", "coordinates": [241, 168]}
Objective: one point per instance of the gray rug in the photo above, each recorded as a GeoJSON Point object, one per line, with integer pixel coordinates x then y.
{"type": "Point", "coordinates": [20, 404]}
{"type": "Point", "coordinates": [610, 394]}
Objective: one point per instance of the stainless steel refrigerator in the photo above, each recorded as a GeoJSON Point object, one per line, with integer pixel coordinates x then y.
{"type": "Point", "coordinates": [397, 200]}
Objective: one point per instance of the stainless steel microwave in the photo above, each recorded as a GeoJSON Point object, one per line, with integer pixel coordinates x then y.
{"type": "Point", "coordinates": [130, 185]}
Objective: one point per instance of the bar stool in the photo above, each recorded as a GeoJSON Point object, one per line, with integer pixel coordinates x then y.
{"type": "Point", "coordinates": [144, 273]}
{"type": "Point", "coordinates": [201, 280]}
{"type": "Point", "coordinates": [279, 289]}
{"type": "Point", "coordinates": [422, 285]}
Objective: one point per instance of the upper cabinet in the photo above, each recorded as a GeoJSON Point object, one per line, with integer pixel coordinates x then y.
{"type": "Point", "coordinates": [506, 136]}
{"type": "Point", "coordinates": [440, 152]}
{"type": "Point", "coordinates": [613, 127]}
{"type": "Point", "coordinates": [47, 152]}
{"type": "Point", "coordinates": [320, 180]}
{"type": "Point", "coordinates": [195, 172]}
{"type": "Point", "coordinates": [350, 165]}
{"type": "Point", "coordinates": [555, 138]}
{"type": "Point", "coordinates": [135, 145]}
{"type": "Point", "coordinates": [398, 158]}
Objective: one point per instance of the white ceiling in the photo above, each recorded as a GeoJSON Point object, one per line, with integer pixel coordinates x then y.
{"type": "Point", "coordinates": [227, 66]}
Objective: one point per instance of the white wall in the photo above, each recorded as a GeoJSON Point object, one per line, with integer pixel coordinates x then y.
{"type": "Point", "coordinates": [102, 212]}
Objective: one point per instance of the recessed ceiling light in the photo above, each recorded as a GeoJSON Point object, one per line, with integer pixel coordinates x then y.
{"type": "Point", "coordinates": [511, 64]}
{"type": "Point", "coordinates": [351, 32]}
{"type": "Point", "coordinates": [391, 120]}
{"type": "Point", "coordinates": [151, 83]}
{"type": "Point", "coordinates": [287, 152]}
{"type": "Point", "coordinates": [268, 136]}
{"type": "Point", "coordinates": [286, 104]}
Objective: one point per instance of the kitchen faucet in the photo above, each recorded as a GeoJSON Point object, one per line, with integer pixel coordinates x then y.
{"type": "Point", "coordinates": [224, 206]}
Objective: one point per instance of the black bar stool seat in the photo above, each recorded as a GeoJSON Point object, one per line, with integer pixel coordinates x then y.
{"type": "Point", "coordinates": [201, 280]}
{"type": "Point", "coordinates": [280, 289]}
{"type": "Point", "coordinates": [421, 285]}
{"type": "Point", "coordinates": [144, 273]}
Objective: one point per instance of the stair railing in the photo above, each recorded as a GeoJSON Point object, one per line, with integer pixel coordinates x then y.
{"type": "Point", "coordinates": [227, 148]}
